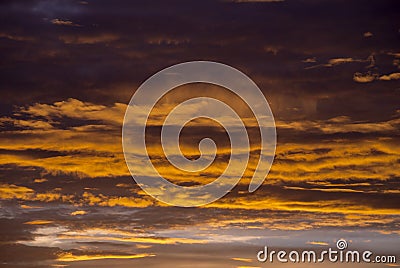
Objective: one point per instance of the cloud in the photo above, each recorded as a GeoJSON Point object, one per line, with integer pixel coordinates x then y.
{"type": "Point", "coordinates": [368, 77]}
{"type": "Point", "coordinates": [388, 77]}
{"type": "Point", "coordinates": [64, 22]}
{"type": "Point", "coordinates": [272, 49]}
{"type": "Point", "coordinates": [112, 201]}
{"type": "Point", "coordinates": [310, 60]}
{"type": "Point", "coordinates": [319, 206]}
{"type": "Point", "coordinates": [340, 125]}
{"type": "Point", "coordinates": [75, 39]}
{"type": "Point", "coordinates": [65, 234]}
{"type": "Point", "coordinates": [336, 168]}
{"type": "Point", "coordinates": [339, 61]}
{"type": "Point", "coordinates": [335, 160]}
{"type": "Point", "coordinates": [74, 108]}
{"type": "Point", "coordinates": [98, 141]}
{"type": "Point", "coordinates": [396, 55]}
{"type": "Point", "coordinates": [29, 124]}
{"type": "Point", "coordinates": [343, 190]}
{"type": "Point", "coordinates": [319, 243]}
{"type": "Point", "coordinates": [10, 191]}
{"type": "Point", "coordinates": [79, 165]}
{"type": "Point", "coordinates": [95, 150]}
{"type": "Point", "coordinates": [78, 212]}
{"type": "Point", "coordinates": [364, 78]}
{"type": "Point", "coordinates": [16, 37]}
{"type": "Point", "coordinates": [69, 257]}
{"type": "Point", "coordinates": [40, 180]}
{"type": "Point", "coordinates": [368, 34]}
{"type": "Point", "coordinates": [160, 40]}
{"type": "Point", "coordinates": [38, 222]}
{"type": "Point", "coordinates": [242, 259]}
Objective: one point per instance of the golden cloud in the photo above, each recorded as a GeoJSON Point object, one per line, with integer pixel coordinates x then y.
{"type": "Point", "coordinates": [255, 202]}
{"type": "Point", "coordinates": [11, 191]}
{"type": "Point", "coordinates": [38, 222]}
{"type": "Point", "coordinates": [69, 257]}
{"type": "Point", "coordinates": [388, 77]}
{"type": "Point", "coordinates": [78, 212]}
{"type": "Point", "coordinates": [96, 151]}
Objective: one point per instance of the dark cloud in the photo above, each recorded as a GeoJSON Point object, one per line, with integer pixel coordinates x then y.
{"type": "Point", "coordinates": [107, 58]}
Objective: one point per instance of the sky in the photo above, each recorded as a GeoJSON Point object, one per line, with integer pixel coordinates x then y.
{"type": "Point", "coordinates": [330, 71]}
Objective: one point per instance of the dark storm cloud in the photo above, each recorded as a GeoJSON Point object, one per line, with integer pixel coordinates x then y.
{"type": "Point", "coordinates": [107, 55]}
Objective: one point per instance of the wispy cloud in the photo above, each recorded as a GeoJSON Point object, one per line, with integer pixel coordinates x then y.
{"type": "Point", "coordinates": [39, 222]}
{"type": "Point", "coordinates": [64, 22]}
{"type": "Point", "coordinates": [90, 39]}
{"type": "Point", "coordinates": [16, 37]}
{"type": "Point", "coordinates": [339, 61]}
{"type": "Point", "coordinates": [69, 257]}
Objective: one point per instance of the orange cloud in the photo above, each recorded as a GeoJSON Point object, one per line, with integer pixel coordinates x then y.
{"type": "Point", "coordinates": [111, 201]}
{"type": "Point", "coordinates": [368, 77]}
{"type": "Point", "coordinates": [100, 155]}
{"type": "Point", "coordinates": [78, 212]}
{"type": "Point", "coordinates": [321, 206]}
{"type": "Point", "coordinates": [11, 191]}
{"type": "Point", "coordinates": [103, 234]}
{"type": "Point", "coordinates": [38, 222]}
{"type": "Point", "coordinates": [318, 243]}
{"type": "Point", "coordinates": [388, 77]}
{"type": "Point", "coordinates": [74, 108]}
{"type": "Point", "coordinates": [364, 78]}
{"type": "Point", "coordinates": [242, 259]}
{"type": "Point", "coordinates": [69, 257]}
